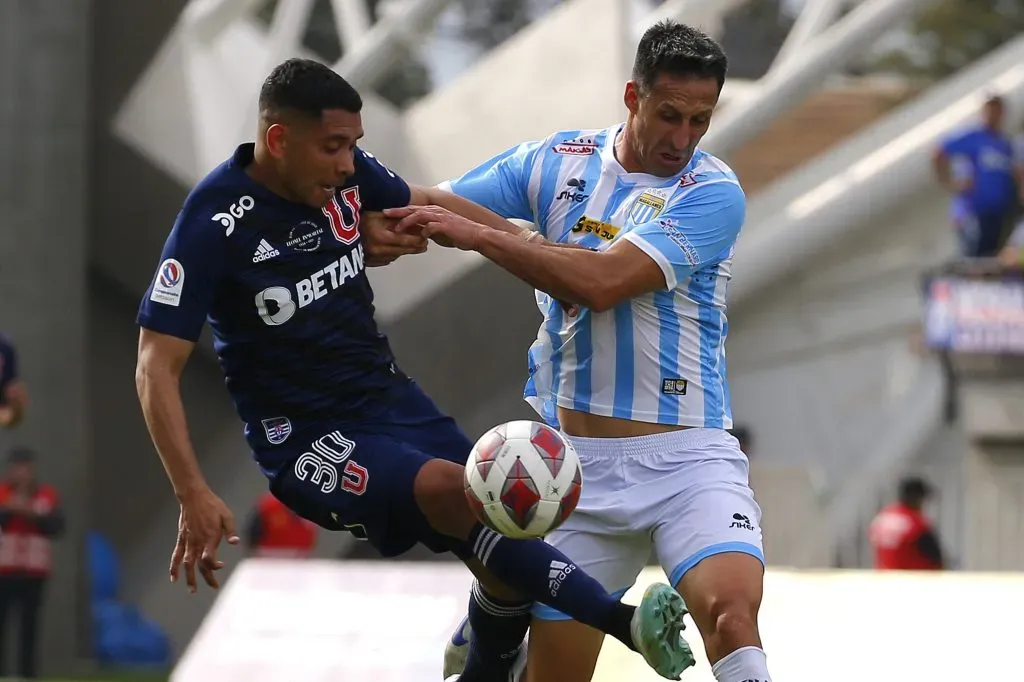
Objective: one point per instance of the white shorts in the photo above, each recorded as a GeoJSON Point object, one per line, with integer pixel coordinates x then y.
{"type": "Point", "coordinates": [686, 494]}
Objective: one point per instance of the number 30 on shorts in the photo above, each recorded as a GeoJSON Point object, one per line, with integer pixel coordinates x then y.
{"type": "Point", "coordinates": [324, 466]}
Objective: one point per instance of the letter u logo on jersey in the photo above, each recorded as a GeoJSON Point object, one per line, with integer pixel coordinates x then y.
{"type": "Point", "coordinates": [344, 215]}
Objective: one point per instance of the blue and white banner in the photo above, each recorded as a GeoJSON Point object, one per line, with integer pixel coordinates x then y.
{"type": "Point", "coordinates": [975, 315]}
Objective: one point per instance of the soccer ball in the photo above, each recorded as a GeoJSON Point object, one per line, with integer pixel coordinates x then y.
{"type": "Point", "coordinates": [523, 479]}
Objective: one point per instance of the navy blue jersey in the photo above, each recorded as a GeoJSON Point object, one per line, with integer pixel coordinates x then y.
{"type": "Point", "coordinates": [8, 366]}
{"type": "Point", "coordinates": [286, 295]}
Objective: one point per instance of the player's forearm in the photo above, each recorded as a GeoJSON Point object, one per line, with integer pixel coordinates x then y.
{"type": "Point", "coordinates": [473, 211]}
{"type": "Point", "coordinates": [160, 397]}
{"type": "Point", "coordinates": [572, 275]}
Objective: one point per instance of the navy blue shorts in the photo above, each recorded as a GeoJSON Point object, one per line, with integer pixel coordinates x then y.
{"type": "Point", "coordinates": [982, 236]}
{"type": "Point", "coordinates": [359, 477]}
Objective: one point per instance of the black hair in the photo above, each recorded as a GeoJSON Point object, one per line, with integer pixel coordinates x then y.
{"type": "Point", "coordinates": [914, 491]}
{"type": "Point", "coordinates": [678, 50]}
{"type": "Point", "coordinates": [307, 87]}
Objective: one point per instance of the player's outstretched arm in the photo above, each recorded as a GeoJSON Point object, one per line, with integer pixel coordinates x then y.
{"type": "Point", "coordinates": [653, 256]}
{"type": "Point", "coordinates": [423, 196]}
{"type": "Point", "coordinates": [205, 519]}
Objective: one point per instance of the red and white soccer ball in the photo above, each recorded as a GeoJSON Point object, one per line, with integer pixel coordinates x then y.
{"type": "Point", "coordinates": [523, 479]}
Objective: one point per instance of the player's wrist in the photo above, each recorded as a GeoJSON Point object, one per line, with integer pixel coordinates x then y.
{"type": "Point", "coordinates": [191, 490]}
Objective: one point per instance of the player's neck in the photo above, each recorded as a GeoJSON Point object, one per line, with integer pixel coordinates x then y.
{"type": "Point", "coordinates": [625, 153]}
{"type": "Point", "coordinates": [263, 172]}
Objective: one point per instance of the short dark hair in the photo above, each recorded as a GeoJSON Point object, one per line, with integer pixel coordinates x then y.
{"type": "Point", "coordinates": [678, 50]}
{"type": "Point", "coordinates": [914, 490]}
{"type": "Point", "coordinates": [307, 87]}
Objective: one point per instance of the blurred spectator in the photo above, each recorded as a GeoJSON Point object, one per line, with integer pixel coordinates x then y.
{"type": "Point", "coordinates": [30, 516]}
{"type": "Point", "coordinates": [274, 530]}
{"type": "Point", "coordinates": [979, 167]}
{"type": "Point", "coordinates": [13, 396]}
{"type": "Point", "coordinates": [901, 535]}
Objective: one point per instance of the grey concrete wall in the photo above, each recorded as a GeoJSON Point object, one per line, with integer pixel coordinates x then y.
{"type": "Point", "coordinates": [45, 85]}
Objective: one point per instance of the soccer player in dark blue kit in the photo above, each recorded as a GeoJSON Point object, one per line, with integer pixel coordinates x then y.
{"type": "Point", "coordinates": [267, 249]}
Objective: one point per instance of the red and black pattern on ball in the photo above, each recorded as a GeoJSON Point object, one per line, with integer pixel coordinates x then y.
{"type": "Point", "coordinates": [550, 447]}
{"type": "Point", "coordinates": [519, 495]}
{"type": "Point", "coordinates": [487, 449]}
{"type": "Point", "coordinates": [571, 498]}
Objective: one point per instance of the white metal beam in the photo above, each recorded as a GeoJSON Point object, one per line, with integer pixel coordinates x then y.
{"type": "Point", "coordinates": [798, 77]}
{"type": "Point", "coordinates": [206, 19]}
{"type": "Point", "coordinates": [868, 176]}
{"type": "Point", "coordinates": [286, 30]}
{"type": "Point", "coordinates": [815, 17]}
{"type": "Point", "coordinates": [353, 21]}
{"type": "Point", "coordinates": [375, 54]}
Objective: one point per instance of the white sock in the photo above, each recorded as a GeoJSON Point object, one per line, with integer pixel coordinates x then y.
{"type": "Point", "coordinates": [743, 665]}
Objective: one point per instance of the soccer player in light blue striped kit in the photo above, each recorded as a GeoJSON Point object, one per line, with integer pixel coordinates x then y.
{"type": "Point", "coordinates": [631, 259]}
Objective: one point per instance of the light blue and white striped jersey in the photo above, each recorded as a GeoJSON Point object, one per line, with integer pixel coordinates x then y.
{"type": "Point", "coordinates": [659, 357]}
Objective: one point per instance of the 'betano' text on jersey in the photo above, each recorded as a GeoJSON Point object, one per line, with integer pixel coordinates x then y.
{"type": "Point", "coordinates": [284, 290]}
{"type": "Point", "coordinates": [659, 357]}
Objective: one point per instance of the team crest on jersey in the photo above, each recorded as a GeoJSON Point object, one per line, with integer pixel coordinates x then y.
{"type": "Point", "coordinates": [278, 429]}
{"type": "Point", "coordinates": [674, 386]}
{"type": "Point", "coordinates": [648, 206]}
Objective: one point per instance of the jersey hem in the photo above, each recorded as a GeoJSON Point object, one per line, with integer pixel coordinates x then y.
{"type": "Point", "coordinates": [153, 323]}
{"type": "Point", "coordinates": [537, 403]}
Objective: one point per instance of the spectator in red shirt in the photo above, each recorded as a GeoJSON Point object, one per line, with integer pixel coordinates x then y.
{"type": "Point", "coordinates": [902, 536]}
{"type": "Point", "coordinates": [30, 516]}
{"type": "Point", "coordinates": [274, 530]}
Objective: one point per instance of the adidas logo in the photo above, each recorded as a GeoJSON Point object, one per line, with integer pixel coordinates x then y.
{"type": "Point", "coordinates": [264, 252]}
{"type": "Point", "coordinates": [558, 571]}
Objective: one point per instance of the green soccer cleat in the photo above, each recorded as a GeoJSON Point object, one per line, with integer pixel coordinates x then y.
{"type": "Point", "coordinates": [657, 627]}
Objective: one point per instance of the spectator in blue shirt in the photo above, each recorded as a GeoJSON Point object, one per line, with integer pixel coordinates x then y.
{"type": "Point", "coordinates": [13, 396]}
{"type": "Point", "coordinates": [980, 168]}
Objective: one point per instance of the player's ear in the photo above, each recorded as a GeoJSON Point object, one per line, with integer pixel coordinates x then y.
{"type": "Point", "coordinates": [275, 139]}
{"type": "Point", "coordinates": [631, 98]}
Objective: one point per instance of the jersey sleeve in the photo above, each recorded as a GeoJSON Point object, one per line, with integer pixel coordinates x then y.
{"type": "Point", "coordinates": [693, 233]}
{"type": "Point", "coordinates": [191, 266]}
{"type": "Point", "coordinates": [379, 186]}
{"type": "Point", "coordinates": [958, 144]}
{"type": "Point", "coordinates": [502, 182]}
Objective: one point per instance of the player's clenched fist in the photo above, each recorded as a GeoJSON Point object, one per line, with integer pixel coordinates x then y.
{"type": "Point", "coordinates": [382, 243]}
{"type": "Point", "coordinates": [203, 521]}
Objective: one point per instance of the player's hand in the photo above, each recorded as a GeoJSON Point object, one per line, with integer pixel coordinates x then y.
{"type": "Point", "coordinates": [438, 224]}
{"type": "Point", "coordinates": [382, 244]}
{"type": "Point", "coordinates": [203, 522]}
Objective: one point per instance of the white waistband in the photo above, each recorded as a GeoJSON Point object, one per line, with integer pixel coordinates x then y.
{"type": "Point", "coordinates": [645, 446]}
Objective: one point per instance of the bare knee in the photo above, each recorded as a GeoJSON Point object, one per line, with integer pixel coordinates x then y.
{"type": "Point", "coordinates": [441, 496]}
{"type": "Point", "coordinates": [735, 626]}
{"type": "Point", "coordinates": [723, 594]}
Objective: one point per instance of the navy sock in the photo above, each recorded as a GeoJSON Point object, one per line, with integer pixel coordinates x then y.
{"type": "Point", "coordinates": [544, 574]}
{"type": "Point", "coordinates": [498, 628]}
